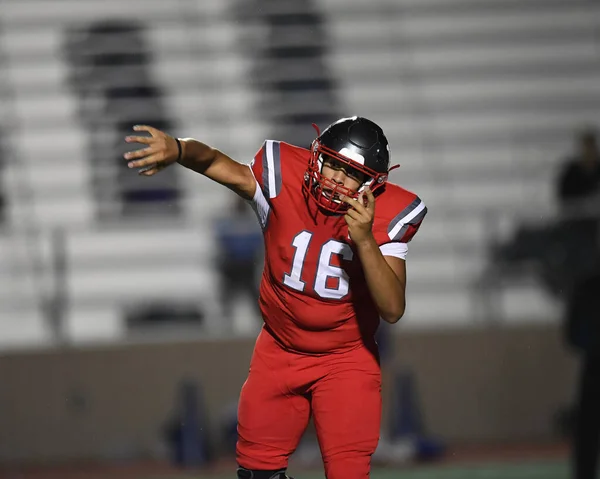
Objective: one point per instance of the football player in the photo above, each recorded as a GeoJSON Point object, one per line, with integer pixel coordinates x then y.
{"type": "Point", "coordinates": [336, 234]}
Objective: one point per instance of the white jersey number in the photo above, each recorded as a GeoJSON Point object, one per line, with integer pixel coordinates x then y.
{"type": "Point", "coordinates": [325, 269]}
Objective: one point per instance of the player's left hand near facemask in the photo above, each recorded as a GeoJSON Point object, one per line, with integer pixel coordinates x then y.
{"type": "Point", "coordinates": [161, 150]}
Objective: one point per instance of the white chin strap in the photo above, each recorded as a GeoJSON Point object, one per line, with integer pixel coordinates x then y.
{"type": "Point", "coordinates": [368, 183]}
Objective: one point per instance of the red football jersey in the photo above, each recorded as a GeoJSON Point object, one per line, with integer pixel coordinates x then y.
{"type": "Point", "coordinates": [313, 294]}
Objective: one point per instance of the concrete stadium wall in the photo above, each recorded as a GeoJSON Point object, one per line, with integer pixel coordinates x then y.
{"type": "Point", "coordinates": [488, 384]}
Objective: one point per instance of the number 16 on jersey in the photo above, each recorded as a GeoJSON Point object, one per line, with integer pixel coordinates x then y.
{"type": "Point", "coordinates": [324, 271]}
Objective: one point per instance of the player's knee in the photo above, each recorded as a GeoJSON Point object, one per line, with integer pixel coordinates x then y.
{"type": "Point", "coordinates": [243, 473]}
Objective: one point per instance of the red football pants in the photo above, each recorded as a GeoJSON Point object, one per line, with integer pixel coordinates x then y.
{"type": "Point", "coordinates": [341, 390]}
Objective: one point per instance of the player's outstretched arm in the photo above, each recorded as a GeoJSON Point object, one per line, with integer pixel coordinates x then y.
{"type": "Point", "coordinates": [162, 150]}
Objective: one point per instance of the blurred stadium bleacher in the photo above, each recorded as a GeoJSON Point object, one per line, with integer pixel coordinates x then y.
{"type": "Point", "coordinates": [479, 100]}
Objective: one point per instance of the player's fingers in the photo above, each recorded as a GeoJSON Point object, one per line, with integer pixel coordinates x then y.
{"type": "Point", "coordinates": [347, 199]}
{"type": "Point", "coordinates": [150, 129]}
{"type": "Point", "coordinates": [136, 154]}
{"type": "Point", "coordinates": [146, 161]}
{"type": "Point", "coordinates": [146, 140]}
{"type": "Point", "coordinates": [354, 204]}
{"type": "Point", "coordinates": [149, 171]}
{"type": "Point", "coordinates": [354, 214]}
{"type": "Point", "coordinates": [370, 199]}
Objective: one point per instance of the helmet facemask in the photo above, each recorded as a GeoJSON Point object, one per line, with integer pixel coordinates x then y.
{"type": "Point", "coordinates": [325, 191]}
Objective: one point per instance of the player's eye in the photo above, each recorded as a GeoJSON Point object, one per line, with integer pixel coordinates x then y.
{"type": "Point", "coordinates": [354, 174]}
{"type": "Point", "coordinates": [333, 164]}
{"type": "Point", "coordinates": [340, 166]}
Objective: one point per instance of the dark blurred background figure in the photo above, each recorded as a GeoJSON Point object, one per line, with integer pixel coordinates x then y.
{"type": "Point", "coordinates": [583, 334]}
{"type": "Point", "coordinates": [239, 257]}
{"type": "Point", "coordinates": [567, 253]}
{"type": "Point", "coordinates": [579, 197]}
{"type": "Point", "coordinates": [566, 248]}
{"type": "Point", "coordinates": [580, 178]}
{"type": "Point", "coordinates": [110, 71]}
{"type": "Point", "coordinates": [185, 430]}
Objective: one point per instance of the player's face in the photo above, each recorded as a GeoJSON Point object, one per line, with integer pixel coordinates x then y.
{"type": "Point", "coordinates": [342, 174]}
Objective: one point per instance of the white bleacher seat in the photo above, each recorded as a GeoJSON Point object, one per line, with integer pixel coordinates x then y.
{"type": "Point", "coordinates": [530, 301]}
{"type": "Point", "coordinates": [94, 322]}
{"type": "Point", "coordinates": [509, 22]}
{"type": "Point", "coordinates": [139, 242]}
{"type": "Point", "coordinates": [38, 78]}
{"type": "Point", "coordinates": [37, 43]}
{"type": "Point", "coordinates": [475, 55]}
{"type": "Point", "coordinates": [64, 211]}
{"type": "Point", "coordinates": [68, 176]}
{"type": "Point", "coordinates": [512, 90]}
{"type": "Point", "coordinates": [44, 109]}
{"type": "Point", "coordinates": [153, 282]}
{"type": "Point", "coordinates": [65, 12]}
{"type": "Point", "coordinates": [23, 328]}
{"type": "Point", "coordinates": [432, 307]}
{"type": "Point", "coordinates": [441, 268]}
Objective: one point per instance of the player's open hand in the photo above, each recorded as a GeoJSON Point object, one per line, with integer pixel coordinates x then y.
{"type": "Point", "coordinates": [359, 216]}
{"type": "Point", "coordinates": [161, 150]}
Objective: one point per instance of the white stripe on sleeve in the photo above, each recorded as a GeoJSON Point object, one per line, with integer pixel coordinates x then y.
{"type": "Point", "coordinates": [271, 165]}
{"type": "Point", "coordinates": [260, 205]}
{"type": "Point", "coordinates": [407, 219]}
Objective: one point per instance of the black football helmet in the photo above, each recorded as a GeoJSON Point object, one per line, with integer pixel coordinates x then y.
{"type": "Point", "coordinates": [356, 142]}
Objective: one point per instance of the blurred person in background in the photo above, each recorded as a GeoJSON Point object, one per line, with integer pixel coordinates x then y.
{"type": "Point", "coordinates": [336, 235]}
{"type": "Point", "coordinates": [579, 181]}
{"type": "Point", "coordinates": [567, 247]}
{"type": "Point", "coordinates": [583, 334]}
{"type": "Point", "coordinates": [578, 192]}
{"type": "Point", "coordinates": [576, 233]}
{"type": "Point", "coordinates": [239, 240]}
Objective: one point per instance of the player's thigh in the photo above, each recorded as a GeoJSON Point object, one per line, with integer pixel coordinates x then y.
{"type": "Point", "coordinates": [270, 420]}
{"type": "Point", "coordinates": [346, 408]}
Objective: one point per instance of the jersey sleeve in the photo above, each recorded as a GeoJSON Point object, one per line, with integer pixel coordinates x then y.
{"type": "Point", "coordinates": [402, 228]}
{"type": "Point", "coordinates": [406, 223]}
{"type": "Point", "coordinates": [266, 167]}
